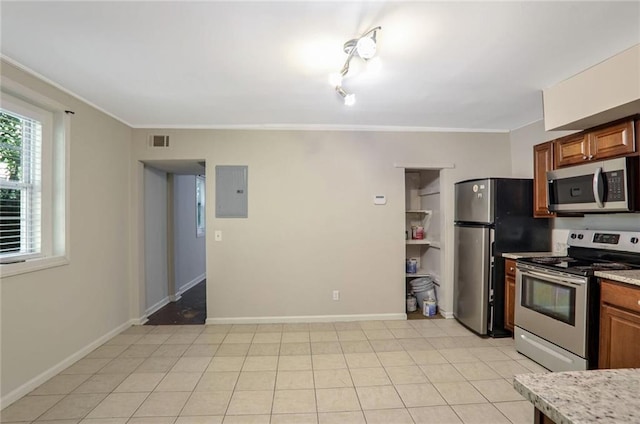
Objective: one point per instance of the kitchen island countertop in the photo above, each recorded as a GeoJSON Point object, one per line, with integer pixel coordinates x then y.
{"type": "Point", "coordinates": [629, 277]}
{"type": "Point", "coordinates": [584, 397]}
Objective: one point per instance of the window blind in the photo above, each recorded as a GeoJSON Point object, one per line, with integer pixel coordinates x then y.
{"type": "Point", "coordinates": [20, 187]}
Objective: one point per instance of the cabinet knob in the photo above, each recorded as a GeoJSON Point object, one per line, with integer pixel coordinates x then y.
{"type": "Point", "coordinates": [638, 302]}
{"type": "Point", "coordinates": [511, 269]}
{"type": "Point", "coordinates": [584, 157]}
{"type": "Point", "coordinates": [590, 157]}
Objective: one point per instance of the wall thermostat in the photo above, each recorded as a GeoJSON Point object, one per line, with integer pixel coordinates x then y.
{"type": "Point", "coordinates": [380, 199]}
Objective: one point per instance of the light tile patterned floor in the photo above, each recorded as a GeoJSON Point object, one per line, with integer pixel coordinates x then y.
{"type": "Point", "coordinates": [418, 371]}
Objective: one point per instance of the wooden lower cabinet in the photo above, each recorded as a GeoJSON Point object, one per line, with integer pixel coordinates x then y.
{"type": "Point", "coordinates": [540, 418]}
{"type": "Point", "coordinates": [509, 293]}
{"type": "Point", "coordinates": [619, 326]}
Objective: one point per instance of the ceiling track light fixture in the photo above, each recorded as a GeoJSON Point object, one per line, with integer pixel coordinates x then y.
{"type": "Point", "coordinates": [365, 48]}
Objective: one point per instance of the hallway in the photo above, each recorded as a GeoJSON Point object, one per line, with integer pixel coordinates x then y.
{"type": "Point", "coordinates": [190, 309]}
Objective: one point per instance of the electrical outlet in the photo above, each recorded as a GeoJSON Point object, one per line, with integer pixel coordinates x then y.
{"type": "Point", "coordinates": [217, 235]}
{"type": "Point", "coordinates": [336, 295]}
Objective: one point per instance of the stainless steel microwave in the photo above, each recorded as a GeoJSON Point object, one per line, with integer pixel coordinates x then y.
{"type": "Point", "coordinates": [611, 185]}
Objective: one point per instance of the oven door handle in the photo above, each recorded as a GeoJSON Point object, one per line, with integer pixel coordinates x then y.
{"type": "Point", "coordinates": [565, 281]}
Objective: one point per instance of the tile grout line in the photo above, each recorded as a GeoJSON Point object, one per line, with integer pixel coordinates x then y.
{"type": "Point", "coordinates": [450, 342]}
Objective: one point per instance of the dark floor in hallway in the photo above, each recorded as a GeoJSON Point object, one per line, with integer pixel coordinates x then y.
{"type": "Point", "coordinates": [190, 309]}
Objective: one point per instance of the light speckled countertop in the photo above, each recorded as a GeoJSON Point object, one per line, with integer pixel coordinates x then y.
{"type": "Point", "coordinates": [629, 277]}
{"type": "Point", "coordinates": [584, 397]}
{"type": "Point", "coordinates": [518, 255]}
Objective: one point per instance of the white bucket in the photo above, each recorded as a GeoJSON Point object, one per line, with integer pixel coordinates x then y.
{"type": "Point", "coordinates": [412, 304]}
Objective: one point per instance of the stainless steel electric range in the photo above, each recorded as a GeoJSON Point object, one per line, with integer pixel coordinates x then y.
{"type": "Point", "coordinates": [557, 298]}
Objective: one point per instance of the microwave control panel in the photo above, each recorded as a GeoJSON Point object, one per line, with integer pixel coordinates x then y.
{"type": "Point", "coordinates": [615, 186]}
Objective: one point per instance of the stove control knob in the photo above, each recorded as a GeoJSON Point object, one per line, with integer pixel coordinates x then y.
{"type": "Point", "coordinates": [573, 236]}
{"type": "Point", "coordinates": [634, 240]}
{"type": "Point", "coordinates": [580, 236]}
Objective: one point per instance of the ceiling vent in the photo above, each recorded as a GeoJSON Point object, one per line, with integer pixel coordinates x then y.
{"type": "Point", "coordinates": [158, 141]}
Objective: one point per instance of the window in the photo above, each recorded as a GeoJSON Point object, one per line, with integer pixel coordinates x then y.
{"type": "Point", "coordinates": [22, 131]}
{"type": "Point", "coordinates": [200, 205]}
{"type": "Point", "coordinates": [33, 181]}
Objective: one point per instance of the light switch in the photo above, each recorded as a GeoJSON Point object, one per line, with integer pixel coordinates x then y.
{"type": "Point", "coordinates": [217, 235]}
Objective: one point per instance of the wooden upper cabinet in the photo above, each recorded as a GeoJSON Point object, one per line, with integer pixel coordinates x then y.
{"type": "Point", "coordinates": [617, 140]}
{"type": "Point", "coordinates": [571, 150]}
{"type": "Point", "coordinates": [542, 162]}
{"type": "Point", "coordinates": [608, 142]}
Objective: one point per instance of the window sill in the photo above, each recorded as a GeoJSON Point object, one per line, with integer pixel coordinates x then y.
{"type": "Point", "coordinates": [8, 270]}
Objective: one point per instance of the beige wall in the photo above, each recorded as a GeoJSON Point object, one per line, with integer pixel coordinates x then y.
{"type": "Point", "coordinates": [155, 255]}
{"type": "Point", "coordinates": [522, 141]}
{"type": "Point", "coordinates": [49, 315]}
{"type": "Point", "coordinates": [603, 93]}
{"type": "Point", "coordinates": [312, 225]}
{"type": "Point", "coordinates": [189, 252]}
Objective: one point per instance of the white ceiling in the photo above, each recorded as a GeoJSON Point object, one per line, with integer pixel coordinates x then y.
{"type": "Point", "coordinates": [237, 64]}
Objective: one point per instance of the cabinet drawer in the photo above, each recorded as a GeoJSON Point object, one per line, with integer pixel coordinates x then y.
{"type": "Point", "coordinates": [621, 295]}
{"type": "Point", "coordinates": [510, 268]}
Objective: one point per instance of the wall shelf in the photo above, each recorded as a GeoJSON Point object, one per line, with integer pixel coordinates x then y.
{"type": "Point", "coordinates": [420, 273]}
{"type": "Point", "coordinates": [428, 192]}
{"type": "Point", "coordinates": [423, 242]}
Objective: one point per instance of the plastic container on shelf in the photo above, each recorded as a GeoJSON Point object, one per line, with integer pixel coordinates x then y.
{"type": "Point", "coordinates": [412, 266]}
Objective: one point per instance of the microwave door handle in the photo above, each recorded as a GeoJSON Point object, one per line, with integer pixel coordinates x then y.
{"type": "Point", "coordinates": [597, 177]}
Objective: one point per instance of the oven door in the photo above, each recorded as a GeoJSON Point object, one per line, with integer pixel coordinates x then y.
{"type": "Point", "coordinates": [553, 307]}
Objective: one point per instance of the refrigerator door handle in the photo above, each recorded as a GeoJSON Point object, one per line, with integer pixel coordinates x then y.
{"type": "Point", "coordinates": [492, 275]}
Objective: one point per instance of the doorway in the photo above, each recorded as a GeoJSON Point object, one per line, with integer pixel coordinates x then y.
{"type": "Point", "coordinates": [174, 240]}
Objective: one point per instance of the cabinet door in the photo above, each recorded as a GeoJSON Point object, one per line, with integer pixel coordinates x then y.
{"type": "Point", "coordinates": [619, 338]}
{"type": "Point", "coordinates": [617, 140]}
{"type": "Point", "coordinates": [571, 150]}
{"type": "Point", "coordinates": [542, 162]}
{"type": "Point", "coordinates": [509, 302]}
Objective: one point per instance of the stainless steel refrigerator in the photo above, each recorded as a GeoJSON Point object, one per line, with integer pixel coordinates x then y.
{"type": "Point", "coordinates": [492, 216]}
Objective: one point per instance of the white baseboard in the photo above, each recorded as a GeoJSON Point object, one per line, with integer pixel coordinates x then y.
{"type": "Point", "coordinates": [174, 297]}
{"type": "Point", "coordinates": [139, 321]}
{"type": "Point", "coordinates": [305, 318]}
{"type": "Point", "coordinates": [446, 314]}
{"type": "Point", "coordinates": [37, 381]}
{"type": "Point", "coordinates": [189, 285]}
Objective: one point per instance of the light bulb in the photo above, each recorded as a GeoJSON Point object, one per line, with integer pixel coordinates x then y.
{"type": "Point", "coordinates": [366, 47]}
{"type": "Point", "coordinates": [335, 79]}
{"type": "Point", "coordinates": [374, 65]}
{"type": "Point", "coordinates": [350, 99]}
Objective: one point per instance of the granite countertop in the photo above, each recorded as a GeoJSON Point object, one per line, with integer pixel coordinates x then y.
{"type": "Point", "coordinates": [629, 277]}
{"type": "Point", "coordinates": [584, 397]}
{"type": "Point", "coordinates": [518, 255]}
